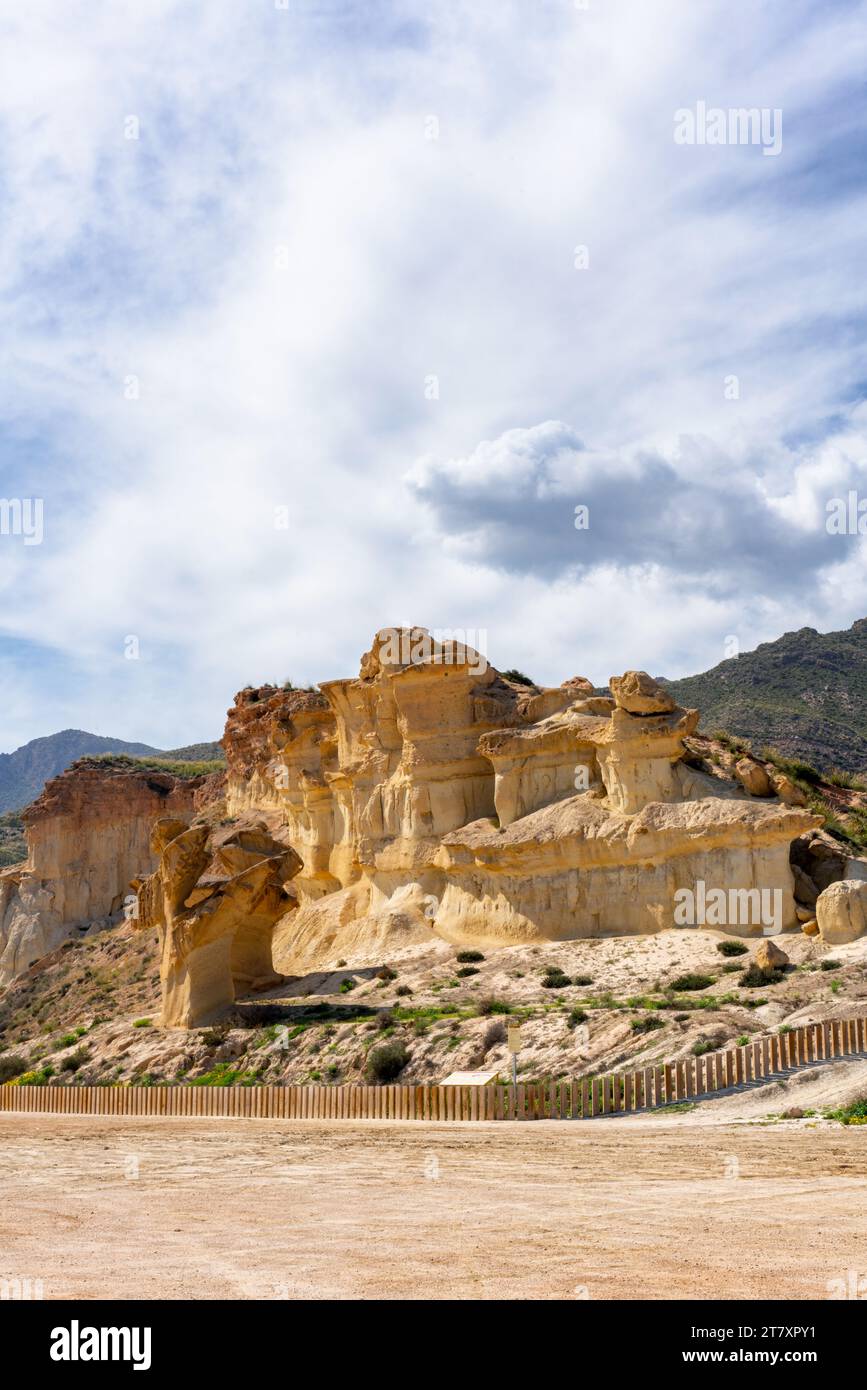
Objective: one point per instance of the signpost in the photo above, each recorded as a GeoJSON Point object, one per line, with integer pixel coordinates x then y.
{"type": "Point", "coordinates": [514, 1034]}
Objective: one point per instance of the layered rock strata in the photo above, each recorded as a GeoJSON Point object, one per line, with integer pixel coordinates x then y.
{"type": "Point", "coordinates": [214, 899]}
{"type": "Point", "coordinates": [88, 837]}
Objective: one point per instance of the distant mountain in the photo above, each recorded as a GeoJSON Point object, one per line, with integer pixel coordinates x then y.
{"type": "Point", "coordinates": [804, 694]}
{"type": "Point", "coordinates": [24, 773]}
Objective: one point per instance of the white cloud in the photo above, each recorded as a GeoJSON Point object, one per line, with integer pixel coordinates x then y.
{"type": "Point", "coordinates": [282, 258]}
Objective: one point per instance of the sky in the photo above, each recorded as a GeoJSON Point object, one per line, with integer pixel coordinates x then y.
{"type": "Point", "coordinates": [322, 317]}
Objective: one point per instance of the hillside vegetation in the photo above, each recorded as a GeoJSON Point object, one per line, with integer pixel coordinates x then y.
{"type": "Point", "coordinates": [804, 695]}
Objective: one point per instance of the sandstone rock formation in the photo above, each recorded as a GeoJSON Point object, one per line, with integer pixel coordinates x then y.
{"type": "Point", "coordinates": [841, 912]}
{"type": "Point", "coordinates": [432, 794]}
{"type": "Point", "coordinates": [88, 836]}
{"type": "Point", "coordinates": [214, 899]}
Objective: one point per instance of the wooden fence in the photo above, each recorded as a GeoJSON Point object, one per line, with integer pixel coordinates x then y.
{"type": "Point", "coordinates": [620, 1093]}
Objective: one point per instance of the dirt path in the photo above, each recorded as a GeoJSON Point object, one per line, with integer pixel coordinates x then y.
{"type": "Point", "coordinates": [640, 1208]}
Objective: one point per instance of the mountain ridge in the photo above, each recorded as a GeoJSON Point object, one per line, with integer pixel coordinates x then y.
{"type": "Point", "coordinates": [804, 694]}
{"type": "Point", "coordinates": [24, 772]}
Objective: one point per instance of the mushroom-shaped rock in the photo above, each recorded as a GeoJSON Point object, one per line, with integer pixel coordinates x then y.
{"type": "Point", "coordinates": [841, 911]}
{"type": "Point", "coordinates": [770, 957]}
{"type": "Point", "coordinates": [639, 693]}
{"type": "Point", "coordinates": [214, 899]}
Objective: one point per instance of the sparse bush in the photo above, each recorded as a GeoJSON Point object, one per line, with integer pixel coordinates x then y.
{"type": "Point", "coordinates": [647, 1024]}
{"type": "Point", "coordinates": [732, 948]}
{"type": "Point", "coordinates": [829, 965]}
{"type": "Point", "coordinates": [840, 778]}
{"type": "Point", "coordinates": [701, 1047]}
{"type": "Point", "coordinates": [691, 981]}
{"type": "Point", "coordinates": [577, 1016]}
{"type": "Point", "coordinates": [555, 979]}
{"type": "Point", "coordinates": [469, 957]}
{"type": "Point", "coordinates": [384, 1019]}
{"type": "Point", "coordinates": [493, 1006]}
{"type": "Point", "coordinates": [34, 1078]}
{"type": "Point", "coordinates": [852, 1114]}
{"type": "Point", "coordinates": [386, 973]}
{"type": "Point", "coordinates": [755, 977]}
{"type": "Point", "coordinates": [403, 990]}
{"type": "Point", "coordinates": [11, 1067]}
{"type": "Point", "coordinates": [386, 1061]}
{"type": "Point", "coordinates": [517, 677]}
{"type": "Point", "coordinates": [494, 1033]}
{"type": "Point", "coordinates": [582, 979]}
{"type": "Point", "coordinates": [75, 1060]}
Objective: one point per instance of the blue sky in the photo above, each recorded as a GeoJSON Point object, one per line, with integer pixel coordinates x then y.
{"type": "Point", "coordinates": [326, 207]}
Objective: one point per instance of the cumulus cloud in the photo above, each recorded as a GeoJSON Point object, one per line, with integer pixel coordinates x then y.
{"type": "Point", "coordinates": [536, 501]}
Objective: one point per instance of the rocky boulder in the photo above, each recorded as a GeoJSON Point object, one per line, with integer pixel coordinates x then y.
{"type": "Point", "coordinates": [753, 777]}
{"type": "Point", "coordinates": [639, 693]}
{"type": "Point", "coordinates": [841, 912]}
{"type": "Point", "coordinates": [770, 957]}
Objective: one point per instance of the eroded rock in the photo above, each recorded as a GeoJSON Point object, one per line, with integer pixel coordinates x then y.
{"type": "Point", "coordinates": [638, 693]}
{"type": "Point", "coordinates": [215, 898]}
{"type": "Point", "coordinates": [841, 912]}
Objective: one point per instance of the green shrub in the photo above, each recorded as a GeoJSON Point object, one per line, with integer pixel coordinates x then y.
{"type": "Point", "coordinates": [465, 971]}
{"type": "Point", "coordinates": [555, 979]}
{"type": "Point", "coordinates": [11, 1067]}
{"type": "Point", "coordinates": [517, 677]}
{"type": "Point", "coordinates": [829, 965]}
{"type": "Point", "coordinates": [839, 778]}
{"type": "Point", "coordinates": [732, 948]}
{"type": "Point", "coordinates": [691, 981]}
{"type": "Point", "coordinates": [386, 1061]}
{"type": "Point", "coordinates": [142, 1023]}
{"type": "Point", "coordinates": [582, 979]}
{"type": "Point", "coordinates": [347, 985]}
{"type": "Point", "coordinates": [742, 1040]}
{"type": "Point", "coordinates": [577, 1016]}
{"type": "Point", "coordinates": [755, 977]}
{"type": "Point", "coordinates": [224, 1074]}
{"type": "Point", "coordinates": [34, 1078]}
{"type": "Point", "coordinates": [647, 1024]}
{"type": "Point", "coordinates": [493, 1006]}
{"type": "Point", "coordinates": [469, 957]}
{"type": "Point", "coordinates": [853, 1114]}
{"type": "Point", "coordinates": [701, 1047]}
{"type": "Point", "coordinates": [75, 1059]}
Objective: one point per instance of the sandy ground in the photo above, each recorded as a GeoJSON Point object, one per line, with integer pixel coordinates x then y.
{"type": "Point", "coordinates": [690, 1206]}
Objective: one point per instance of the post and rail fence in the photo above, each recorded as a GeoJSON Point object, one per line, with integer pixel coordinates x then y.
{"type": "Point", "coordinates": [647, 1088]}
